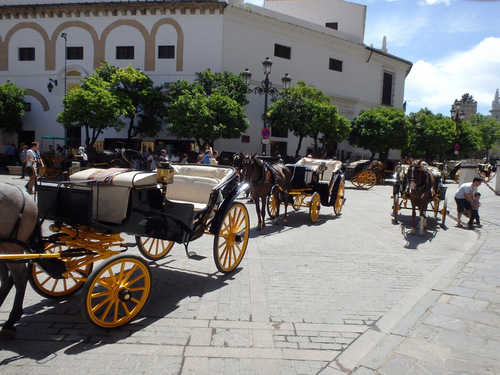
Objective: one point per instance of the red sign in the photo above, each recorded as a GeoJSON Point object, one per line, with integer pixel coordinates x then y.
{"type": "Point", "coordinates": [456, 146]}
{"type": "Point", "coordinates": [266, 133]}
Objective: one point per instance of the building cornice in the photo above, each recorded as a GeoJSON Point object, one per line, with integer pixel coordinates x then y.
{"type": "Point", "coordinates": [117, 8]}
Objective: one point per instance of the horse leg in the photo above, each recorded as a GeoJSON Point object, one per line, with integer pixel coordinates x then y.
{"type": "Point", "coordinates": [19, 278]}
{"type": "Point", "coordinates": [257, 210]}
{"type": "Point", "coordinates": [263, 215]}
{"type": "Point", "coordinates": [285, 215]}
{"type": "Point", "coordinates": [423, 223]}
{"type": "Point", "coordinates": [413, 218]}
{"type": "Point", "coordinates": [276, 193]}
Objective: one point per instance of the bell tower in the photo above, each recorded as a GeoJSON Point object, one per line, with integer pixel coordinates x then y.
{"type": "Point", "coordinates": [495, 107]}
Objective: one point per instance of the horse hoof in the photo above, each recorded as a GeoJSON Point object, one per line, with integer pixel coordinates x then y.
{"type": "Point", "coordinates": [285, 222]}
{"type": "Point", "coordinates": [422, 234]}
{"type": "Point", "coordinates": [412, 232]}
{"type": "Point", "coordinates": [7, 334]}
{"type": "Point", "coordinates": [276, 222]}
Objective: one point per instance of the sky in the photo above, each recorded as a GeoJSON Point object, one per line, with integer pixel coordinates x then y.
{"type": "Point", "coordinates": [454, 46]}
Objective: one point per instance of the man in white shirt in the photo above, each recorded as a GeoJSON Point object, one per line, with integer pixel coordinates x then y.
{"type": "Point", "coordinates": [464, 197]}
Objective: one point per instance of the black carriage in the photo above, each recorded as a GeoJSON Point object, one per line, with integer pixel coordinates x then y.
{"type": "Point", "coordinates": [320, 180]}
{"type": "Point", "coordinates": [401, 196]}
{"type": "Point", "coordinates": [360, 175]}
{"type": "Point", "coordinates": [90, 212]}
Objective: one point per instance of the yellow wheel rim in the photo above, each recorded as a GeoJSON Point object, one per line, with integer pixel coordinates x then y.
{"type": "Point", "coordinates": [154, 248]}
{"type": "Point", "coordinates": [339, 202]}
{"type": "Point", "coordinates": [231, 242]}
{"type": "Point", "coordinates": [55, 288]}
{"type": "Point", "coordinates": [298, 201]}
{"type": "Point", "coordinates": [117, 291]}
{"type": "Point", "coordinates": [272, 206]}
{"type": "Point", "coordinates": [315, 207]}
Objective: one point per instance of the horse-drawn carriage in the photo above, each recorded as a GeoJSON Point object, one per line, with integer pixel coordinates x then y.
{"type": "Point", "coordinates": [419, 185]}
{"type": "Point", "coordinates": [90, 212]}
{"type": "Point", "coordinates": [366, 173]}
{"type": "Point", "coordinates": [320, 180]}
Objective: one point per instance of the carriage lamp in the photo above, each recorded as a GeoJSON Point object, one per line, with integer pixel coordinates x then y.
{"type": "Point", "coordinates": [165, 173]}
{"type": "Point", "coordinates": [266, 88]}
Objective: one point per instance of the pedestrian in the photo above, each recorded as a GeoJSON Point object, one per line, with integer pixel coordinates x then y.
{"type": "Point", "coordinates": [23, 156]}
{"type": "Point", "coordinates": [163, 156]}
{"type": "Point", "coordinates": [208, 156]}
{"type": "Point", "coordinates": [464, 197]}
{"type": "Point", "coordinates": [474, 212]}
{"type": "Point", "coordinates": [184, 159]}
{"type": "Point", "coordinates": [81, 153]}
{"type": "Point", "coordinates": [213, 159]}
{"type": "Point", "coordinates": [33, 163]}
{"type": "Point", "coordinates": [201, 157]}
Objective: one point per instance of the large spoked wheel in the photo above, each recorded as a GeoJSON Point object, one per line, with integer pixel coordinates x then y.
{"type": "Point", "coordinates": [298, 201]}
{"type": "Point", "coordinates": [117, 291]}
{"type": "Point", "coordinates": [355, 180]}
{"type": "Point", "coordinates": [339, 201]}
{"type": "Point", "coordinates": [231, 242]}
{"type": "Point", "coordinates": [367, 179]}
{"type": "Point", "coordinates": [272, 204]}
{"type": "Point", "coordinates": [47, 286]}
{"type": "Point", "coordinates": [314, 207]}
{"type": "Point", "coordinates": [153, 248]}
{"type": "Point", "coordinates": [395, 206]}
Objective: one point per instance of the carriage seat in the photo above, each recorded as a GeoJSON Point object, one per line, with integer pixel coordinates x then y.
{"type": "Point", "coordinates": [194, 183]}
{"type": "Point", "coordinates": [332, 166]}
{"type": "Point", "coordinates": [111, 196]}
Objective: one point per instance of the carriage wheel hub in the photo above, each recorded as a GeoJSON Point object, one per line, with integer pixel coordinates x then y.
{"type": "Point", "coordinates": [124, 295]}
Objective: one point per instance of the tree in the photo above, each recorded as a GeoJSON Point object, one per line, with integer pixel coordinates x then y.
{"type": "Point", "coordinates": [488, 131]}
{"type": "Point", "coordinates": [144, 104]}
{"type": "Point", "coordinates": [306, 111]}
{"type": "Point", "coordinates": [94, 107]}
{"type": "Point", "coordinates": [379, 130]}
{"type": "Point", "coordinates": [430, 135]}
{"type": "Point", "coordinates": [208, 109]}
{"type": "Point", "coordinates": [11, 107]}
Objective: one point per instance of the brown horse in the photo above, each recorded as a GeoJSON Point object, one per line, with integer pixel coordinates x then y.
{"type": "Point", "coordinates": [379, 167]}
{"type": "Point", "coordinates": [18, 220]}
{"type": "Point", "coordinates": [265, 178]}
{"type": "Point", "coordinates": [419, 184]}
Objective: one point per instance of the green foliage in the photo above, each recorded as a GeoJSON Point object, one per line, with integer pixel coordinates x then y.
{"type": "Point", "coordinates": [305, 111]}
{"type": "Point", "coordinates": [430, 135]}
{"type": "Point", "coordinates": [94, 107]}
{"type": "Point", "coordinates": [379, 130]}
{"type": "Point", "coordinates": [208, 109]}
{"type": "Point", "coordinates": [11, 107]}
{"type": "Point", "coordinates": [144, 105]}
{"type": "Point", "coordinates": [487, 130]}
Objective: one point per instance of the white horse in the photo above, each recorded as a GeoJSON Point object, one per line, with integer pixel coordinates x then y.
{"type": "Point", "coordinates": [18, 220]}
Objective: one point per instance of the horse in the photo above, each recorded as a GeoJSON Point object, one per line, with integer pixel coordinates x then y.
{"type": "Point", "coordinates": [265, 178]}
{"type": "Point", "coordinates": [378, 167]}
{"type": "Point", "coordinates": [419, 184]}
{"type": "Point", "coordinates": [120, 158]}
{"type": "Point", "coordinates": [19, 231]}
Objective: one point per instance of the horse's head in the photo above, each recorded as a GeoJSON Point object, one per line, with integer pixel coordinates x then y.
{"type": "Point", "coordinates": [250, 166]}
{"type": "Point", "coordinates": [417, 176]}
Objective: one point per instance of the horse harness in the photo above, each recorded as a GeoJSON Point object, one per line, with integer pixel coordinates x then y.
{"type": "Point", "coordinates": [265, 167]}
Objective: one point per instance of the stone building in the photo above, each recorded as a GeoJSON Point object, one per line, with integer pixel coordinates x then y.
{"type": "Point", "coordinates": [54, 44]}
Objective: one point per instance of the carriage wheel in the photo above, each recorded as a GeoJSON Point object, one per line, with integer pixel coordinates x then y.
{"type": "Point", "coordinates": [116, 291]}
{"type": "Point", "coordinates": [339, 201]}
{"type": "Point", "coordinates": [395, 206]}
{"type": "Point", "coordinates": [231, 242]}
{"type": "Point", "coordinates": [368, 179]}
{"type": "Point", "coordinates": [355, 180]}
{"type": "Point", "coordinates": [153, 248]}
{"type": "Point", "coordinates": [51, 172]}
{"type": "Point", "coordinates": [47, 286]}
{"type": "Point", "coordinates": [272, 204]}
{"type": "Point", "coordinates": [298, 201]}
{"type": "Point", "coordinates": [314, 207]}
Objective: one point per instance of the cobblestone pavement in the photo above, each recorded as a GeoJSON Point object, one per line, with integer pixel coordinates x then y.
{"type": "Point", "coordinates": [348, 294]}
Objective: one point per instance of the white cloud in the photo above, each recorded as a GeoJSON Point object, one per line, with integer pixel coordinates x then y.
{"type": "Point", "coordinates": [434, 2]}
{"type": "Point", "coordinates": [436, 85]}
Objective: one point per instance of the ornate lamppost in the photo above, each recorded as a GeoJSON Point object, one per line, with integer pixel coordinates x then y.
{"type": "Point", "coordinates": [457, 115]}
{"type": "Point", "coordinates": [266, 88]}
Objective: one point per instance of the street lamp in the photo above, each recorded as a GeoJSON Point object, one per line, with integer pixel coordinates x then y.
{"type": "Point", "coordinates": [51, 84]}
{"type": "Point", "coordinates": [65, 36]}
{"type": "Point", "coordinates": [266, 88]}
{"type": "Point", "coordinates": [458, 116]}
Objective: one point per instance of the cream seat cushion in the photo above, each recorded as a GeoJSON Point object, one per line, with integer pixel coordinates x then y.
{"type": "Point", "coordinates": [332, 166]}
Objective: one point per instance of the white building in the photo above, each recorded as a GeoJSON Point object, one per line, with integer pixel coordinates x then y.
{"type": "Point", "coordinates": [320, 42]}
